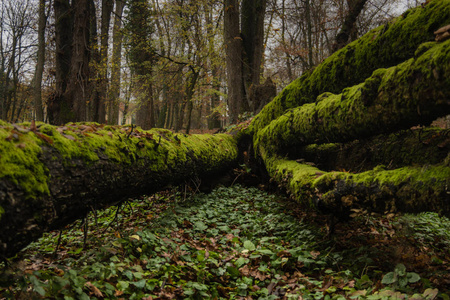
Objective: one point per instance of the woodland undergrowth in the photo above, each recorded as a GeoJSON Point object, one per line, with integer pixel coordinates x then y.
{"type": "Point", "coordinates": [234, 243]}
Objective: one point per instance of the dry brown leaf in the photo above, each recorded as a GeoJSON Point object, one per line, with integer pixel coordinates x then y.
{"type": "Point", "coordinates": [94, 289]}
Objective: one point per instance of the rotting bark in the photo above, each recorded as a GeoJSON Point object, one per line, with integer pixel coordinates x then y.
{"type": "Point", "coordinates": [51, 176]}
{"type": "Point", "coordinates": [383, 47]}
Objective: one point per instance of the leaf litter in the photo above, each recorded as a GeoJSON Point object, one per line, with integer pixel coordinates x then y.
{"type": "Point", "coordinates": [234, 243]}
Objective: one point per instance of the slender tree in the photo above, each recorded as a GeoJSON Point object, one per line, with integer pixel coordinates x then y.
{"type": "Point", "coordinates": [114, 91]}
{"type": "Point", "coordinates": [42, 23]}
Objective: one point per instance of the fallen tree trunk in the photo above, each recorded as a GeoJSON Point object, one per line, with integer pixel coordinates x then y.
{"type": "Point", "coordinates": [407, 189]}
{"type": "Point", "coordinates": [383, 47]}
{"type": "Point", "coordinates": [414, 92]}
{"type": "Point", "coordinates": [51, 176]}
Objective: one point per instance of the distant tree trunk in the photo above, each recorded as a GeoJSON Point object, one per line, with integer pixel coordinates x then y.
{"type": "Point", "coordinates": [142, 57]}
{"type": "Point", "coordinates": [309, 33]}
{"type": "Point", "coordinates": [189, 96]}
{"type": "Point", "coordinates": [252, 23]}
{"type": "Point", "coordinates": [342, 38]}
{"type": "Point", "coordinates": [145, 117]}
{"type": "Point", "coordinates": [107, 7]}
{"type": "Point", "coordinates": [77, 91]}
{"type": "Point", "coordinates": [40, 63]}
{"type": "Point", "coordinates": [233, 51]}
{"type": "Point", "coordinates": [59, 110]}
{"type": "Point", "coordinates": [114, 96]}
{"type": "Point", "coordinates": [95, 68]}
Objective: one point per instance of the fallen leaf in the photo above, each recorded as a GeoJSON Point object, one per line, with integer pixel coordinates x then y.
{"type": "Point", "coordinates": [94, 289]}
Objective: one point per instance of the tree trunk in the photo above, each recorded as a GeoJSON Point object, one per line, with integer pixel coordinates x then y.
{"type": "Point", "coordinates": [252, 20]}
{"type": "Point", "coordinates": [107, 7]}
{"type": "Point", "coordinates": [77, 92]}
{"type": "Point", "coordinates": [59, 110]}
{"type": "Point", "coordinates": [343, 37]}
{"type": "Point", "coordinates": [189, 95]}
{"type": "Point", "coordinates": [233, 51]}
{"type": "Point", "coordinates": [62, 173]}
{"type": "Point", "coordinates": [145, 115]}
{"type": "Point", "coordinates": [37, 93]}
{"type": "Point", "coordinates": [114, 97]}
{"type": "Point", "coordinates": [391, 99]}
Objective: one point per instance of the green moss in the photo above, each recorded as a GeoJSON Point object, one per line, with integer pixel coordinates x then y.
{"type": "Point", "coordinates": [395, 98]}
{"type": "Point", "coordinates": [411, 188]}
{"type": "Point", "coordinates": [160, 150]}
{"type": "Point", "coordinates": [19, 161]}
{"type": "Point", "coordinates": [383, 47]}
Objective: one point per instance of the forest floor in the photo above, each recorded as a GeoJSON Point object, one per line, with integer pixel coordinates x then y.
{"type": "Point", "coordinates": [233, 243]}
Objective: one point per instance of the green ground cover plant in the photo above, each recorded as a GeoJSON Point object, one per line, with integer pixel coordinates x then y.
{"type": "Point", "coordinates": [234, 243]}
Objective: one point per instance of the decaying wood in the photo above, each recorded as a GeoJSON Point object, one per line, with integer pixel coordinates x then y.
{"type": "Point", "coordinates": [442, 33]}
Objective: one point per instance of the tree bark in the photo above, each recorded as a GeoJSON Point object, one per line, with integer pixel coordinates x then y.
{"type": "Point", "coordinates": [233, 52]}
{"type": "Point", "coordinates": [37, 93]}
{"type": "Point", "coordinates": [252, 20]}
{"type": "Point", "coordinates": [58, 108]}
{"type": "Point", "coordinates": [77, 92]}
{"type": "Point", "coordinates": [343, 37]}
{"type": "Point", "coordinates": [55, 175]}
{"type": "Point", "coordinates": [114, 97]}
{"type": "Point", "coordinates": [107, 7]}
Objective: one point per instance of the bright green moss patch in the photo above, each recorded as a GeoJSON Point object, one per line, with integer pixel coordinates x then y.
{"type": "Point", "coordinates": [395, 98]}
{"type": "Point", "coordinates": [19, 161]}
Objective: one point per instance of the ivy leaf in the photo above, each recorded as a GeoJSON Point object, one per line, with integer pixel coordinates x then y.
{"type": "Point", "coordinates": [389, 278]}
{"type": "Point", "coordinates": [249, 246]}
{"type": "Point", "coordinates": [200, 226]}
{"type": "Point", "coordinates": [140, 284]}
{"type": "Point", "coordinates": [413, 277]}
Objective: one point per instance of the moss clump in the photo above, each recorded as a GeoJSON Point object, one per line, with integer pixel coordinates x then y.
{"type": "Point", "coordinates": [19, 161]}
{"type": "Point", "coordinates": [383, 47]}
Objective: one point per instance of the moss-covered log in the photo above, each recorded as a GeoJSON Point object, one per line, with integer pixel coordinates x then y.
{"type": "Point", "coordinates": [383, 47]}
{"type": "Point", "coordinates": [407, 189]}
{"type": "Point", "coordinates": [50, 176]}
{"type": "Point", "coordinates": [412, 147]}
{"type": "Point", "coordinates": [414, 92]}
